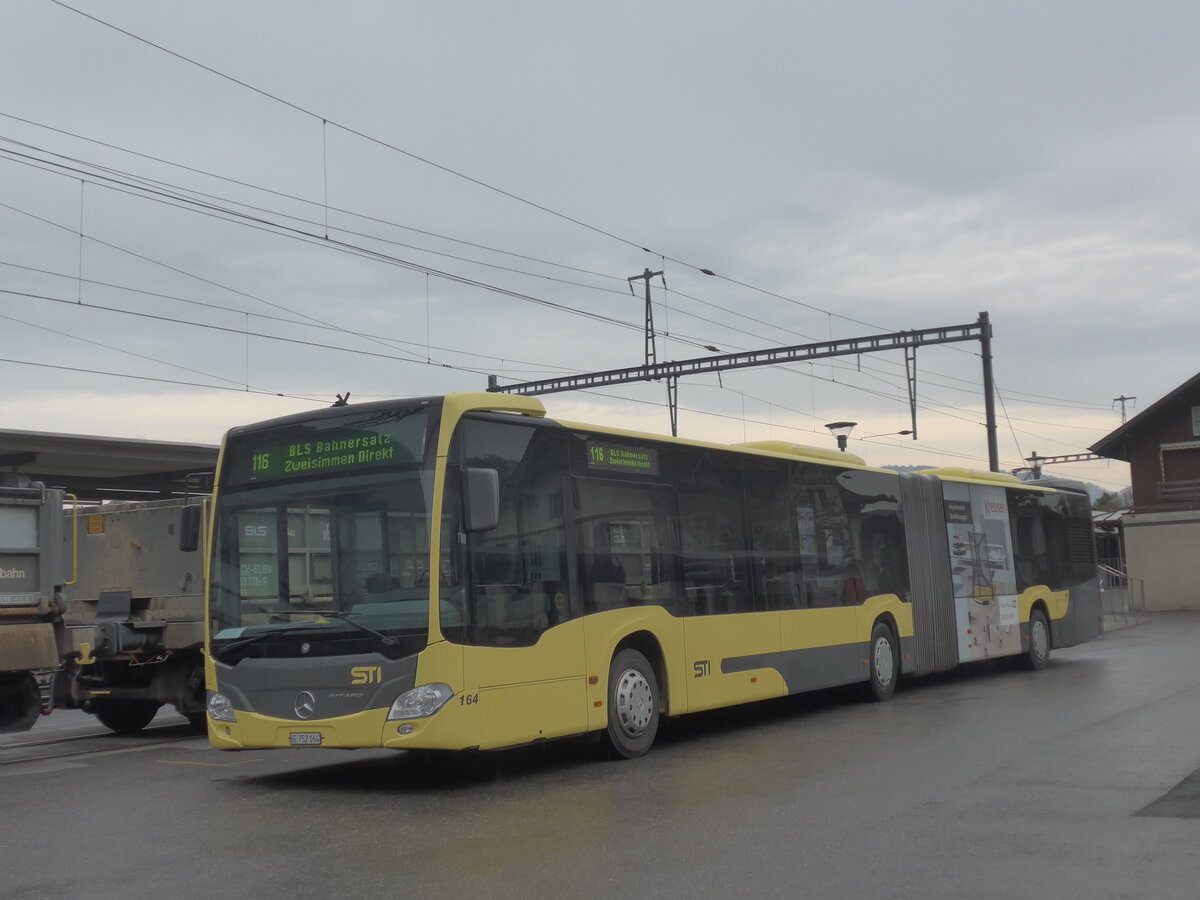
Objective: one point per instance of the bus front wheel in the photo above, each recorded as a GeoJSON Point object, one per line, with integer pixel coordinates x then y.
{"type": "Point", "coordinates": [1038, 654]}
{"type": "Point", "coordinates": [884, 662]}
{"type": "Point", "coordinates": [633, 705]}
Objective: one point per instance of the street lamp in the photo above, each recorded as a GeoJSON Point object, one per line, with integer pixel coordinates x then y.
{"type": "Point", "coordinates": [841, 431]}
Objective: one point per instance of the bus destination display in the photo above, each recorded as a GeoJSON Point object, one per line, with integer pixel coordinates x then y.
{"type": "Point", "coordinates": [317, 453]}
{"type": "Point", "coordinates": [328, 453]}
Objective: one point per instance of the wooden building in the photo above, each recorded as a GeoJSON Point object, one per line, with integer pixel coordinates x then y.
{"type": "Point", "coordinates": [1162, 534]}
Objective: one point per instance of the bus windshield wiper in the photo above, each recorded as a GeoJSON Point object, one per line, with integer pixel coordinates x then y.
{"type": "Point", "coordinates": [221, 652]}
{"type": "Point", "coordinates": [387, 645]}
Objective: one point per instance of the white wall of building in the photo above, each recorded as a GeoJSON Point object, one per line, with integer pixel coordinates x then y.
{"type": "Point", "coordinates": [1163, 549]}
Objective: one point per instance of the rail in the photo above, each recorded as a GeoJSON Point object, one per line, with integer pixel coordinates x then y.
{"type": "Point", "coordinates": [1122, 596]}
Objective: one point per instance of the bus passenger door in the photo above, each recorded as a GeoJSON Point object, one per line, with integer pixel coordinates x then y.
{"type": "Point", "coordinates": [523, 665]}
{"type": "Point", "coordinates": [731, 630]}
{"type": "Point", "coordinates": [627, 577]}
{"type": "Point", "coordinates": [815, 557]}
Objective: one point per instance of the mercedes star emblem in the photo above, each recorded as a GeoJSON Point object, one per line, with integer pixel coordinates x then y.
{"type": "Point", "coordinates": [306, 704]}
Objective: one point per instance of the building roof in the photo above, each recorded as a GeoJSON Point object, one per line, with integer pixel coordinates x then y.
{"type": "Point", "coordinates": [107, 467]}
{"type": "Point", "coordinates": [1116, 445]}
{"type": "Point", "coordinates": [1109, 519]}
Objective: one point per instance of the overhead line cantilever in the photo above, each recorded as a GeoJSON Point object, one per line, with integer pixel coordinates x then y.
{"type": "Point", "coordinates": [980, 330]}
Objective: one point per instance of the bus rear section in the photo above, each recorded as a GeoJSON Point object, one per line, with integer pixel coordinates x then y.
{"type": "Point", "coordinates": [1001, 569]}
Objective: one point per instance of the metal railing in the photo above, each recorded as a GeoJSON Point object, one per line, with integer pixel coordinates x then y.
{"type": "Point", "coordinates": [1122, 595]}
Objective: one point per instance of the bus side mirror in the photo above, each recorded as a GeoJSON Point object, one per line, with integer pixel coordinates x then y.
{"type": "Point", "coordinates": [190, 518]}
{"type": "Point", "coordinates": [481, 499]}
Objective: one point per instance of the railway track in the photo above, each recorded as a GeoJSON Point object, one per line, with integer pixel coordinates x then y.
{"type": "Point", "coordinates": [30, 747]}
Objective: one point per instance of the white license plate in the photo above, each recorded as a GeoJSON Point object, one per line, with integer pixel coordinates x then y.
{"type": "Point", "coordinates": [305, 738]}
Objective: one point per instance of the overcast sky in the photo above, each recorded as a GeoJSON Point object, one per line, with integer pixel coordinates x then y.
{"type": "Point", "coordinates": [845, 168]}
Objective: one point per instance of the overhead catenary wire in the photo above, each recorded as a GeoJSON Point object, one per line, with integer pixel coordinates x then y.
{"type": "Point", "coordinates": [95, 343]}
{"type": "Point", "coordinates": [156, 189]}
{"type": "Point", "coordinates": [260, 334]}
{"type": "Point", "coordinates": [385, 258]}
{"type": "Point", "coordinates": [171, 381]}
{"type": "Point", "coordinates": [324, 121]}
{"type": "Point", "coordinates": [940, 409]}
{"type": "Point", "coordinates": [287, 231]}
{"type": "Point", "coordinates": [170, 267]}
{"type": "Point", "coordinates": [373, 253]}
{"type": "Point", "coordinates": [93, 305]}
{"type": "Point", "coordinates": [351, 350]}
{"type": "Point", "coordinates": [172, 195]}
{"type": "Point", "coordinates": [482, 371]}
{"type": "Point", "coordinates": [180, 192]}
{"type": "Point", "coordinates": [256, 221]}
{"type": "Point", "coordinates": [187, 194]}
{"type": "Point", "coordinates": [297, 199]}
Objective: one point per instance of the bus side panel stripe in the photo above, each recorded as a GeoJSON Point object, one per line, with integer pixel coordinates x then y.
{"type": "Point", "coordinates": [809, 669]}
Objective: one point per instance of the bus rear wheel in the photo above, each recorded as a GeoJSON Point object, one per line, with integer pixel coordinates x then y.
{"type": "Point", "coordinates": [633, 705]}
{"type": "Point", "coordinates": [884, 662]}
{"type": "Point", "coordinates": [1038, 654]}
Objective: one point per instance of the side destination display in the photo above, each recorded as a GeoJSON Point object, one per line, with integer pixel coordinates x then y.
{"type": "Point", "coordinates": [617, 458]}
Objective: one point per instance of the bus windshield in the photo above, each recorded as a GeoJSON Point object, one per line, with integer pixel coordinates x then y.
{"type": "Point", "coordinates": [322, 541]}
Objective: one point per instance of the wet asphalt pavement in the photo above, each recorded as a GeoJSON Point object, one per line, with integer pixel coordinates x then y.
{"type": "Point", "coordinates": [1079, 781]}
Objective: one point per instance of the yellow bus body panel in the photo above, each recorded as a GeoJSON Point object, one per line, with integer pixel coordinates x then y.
{"type": "Point", "coordinates": [514, 714]}
{"type": "Point", "coordinates": [451, 728]}
{"type": "Point", "coordinates": [604, 631]}
{"type": "Point", "coordinates": [1056, 602]}
{"type": "Point", "coordinates": [524, 694]}
{"type": "Point", "coordinates": [364, 729]}
{"type": "Point", "coordinates": [711, 640]}
{"type": "Point", "coordinates": [885, 605]}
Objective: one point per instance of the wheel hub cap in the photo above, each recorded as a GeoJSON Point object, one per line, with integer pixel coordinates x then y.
{"type": "Point", "coordinates": [884, 664]}
{"type": "Point", "coordinates": [1039, 639]}
{"type": "Point", "coordinates": [635, 702]}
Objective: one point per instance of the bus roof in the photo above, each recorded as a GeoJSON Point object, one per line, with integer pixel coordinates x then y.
{"type": "Point", "coordinates": [976, 476]}
{"type": "Point", "coordinates": [499, 402]}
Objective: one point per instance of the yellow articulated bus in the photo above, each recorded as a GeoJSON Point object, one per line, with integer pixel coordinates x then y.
{"type": "Point", "coordinates": [462, 572]}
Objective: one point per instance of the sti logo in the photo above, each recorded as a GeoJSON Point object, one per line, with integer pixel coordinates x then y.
{"type": "Point", "coordinates": [366, 675]}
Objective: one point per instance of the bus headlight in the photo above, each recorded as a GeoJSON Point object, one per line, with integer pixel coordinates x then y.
{"type": "Point", "coordinates": [219, 708]}
{"type": "Point", "coordinates": [420, 702]}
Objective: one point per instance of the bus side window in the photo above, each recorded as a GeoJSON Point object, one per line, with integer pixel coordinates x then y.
{"type": "Point", "coordinates": [626, 553]}
{"type": "Point", "coordinates": [777, 529]}
{"type": "Point", "coordinates": [872, 503]}
{"type": "Point", "coordinates": [604, 576]}
{"type": "Point", "coordinates": [712, 532]}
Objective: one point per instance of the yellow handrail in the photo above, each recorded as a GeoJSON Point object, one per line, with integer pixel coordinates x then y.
{"type": "Point", "coordinates": [74, 540]}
